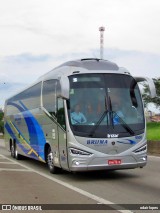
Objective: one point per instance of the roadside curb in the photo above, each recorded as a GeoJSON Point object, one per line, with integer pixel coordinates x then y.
{"type": "Point", "coordinates": [153, 148]}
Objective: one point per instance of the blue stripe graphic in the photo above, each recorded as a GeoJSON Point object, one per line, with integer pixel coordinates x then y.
{"type": "Point", "coordinates": [127, 142]}
{"type": "Point", "coordinates": [36, 135]}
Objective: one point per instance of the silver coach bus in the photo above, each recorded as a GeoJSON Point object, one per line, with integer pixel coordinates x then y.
{"type": "Point", "coordinates": [83, 115]}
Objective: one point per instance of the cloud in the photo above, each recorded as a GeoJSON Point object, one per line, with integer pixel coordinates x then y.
{"type": "Point", "coordinates": [137, 62]}
{"type": "Point", "coordinates": [37, 36]}
{"type": "Point", "coordinates": [7, 89]}
{"type": "Point", "coordinates": [18, 71]}
{"type": "Point", "coordinates": [27, 58]}
{"type": "Point", "coordinates": [15, 67]}
{"type": "Point", "coordinates": [27, 67]}
{"type": "Point", "coordinates": [59, 27]}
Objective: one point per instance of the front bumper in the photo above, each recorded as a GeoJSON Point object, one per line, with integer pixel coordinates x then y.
{"type": "Point", "coordinates": [101, 163]}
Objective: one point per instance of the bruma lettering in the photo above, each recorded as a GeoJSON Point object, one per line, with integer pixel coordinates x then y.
{"type": "Point", "coordinates": [97, 142]}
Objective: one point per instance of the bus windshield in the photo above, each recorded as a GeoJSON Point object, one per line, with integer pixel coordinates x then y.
{"type": "Point", "coordinates": [104, 104]}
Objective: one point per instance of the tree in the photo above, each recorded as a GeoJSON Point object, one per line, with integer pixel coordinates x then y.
{"type": "Point", "coordinates": [1, 122]}
{"type": "Point", "coordinates": [147, 99]}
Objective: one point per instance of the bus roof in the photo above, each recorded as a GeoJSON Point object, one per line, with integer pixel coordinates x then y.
{"type": "Point", "coordinates": [92, 64]}
{"type": "Point", "coordinates": [86, 64]}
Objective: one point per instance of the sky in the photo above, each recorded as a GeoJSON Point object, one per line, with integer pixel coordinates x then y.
{"type": "Point", "coordinates": [38, 35]}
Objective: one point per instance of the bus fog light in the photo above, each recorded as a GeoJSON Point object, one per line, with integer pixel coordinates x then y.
{"type": "Point", "coordinates": [76, 163]}
{"type": "Point", "coordinates": [144, 158]}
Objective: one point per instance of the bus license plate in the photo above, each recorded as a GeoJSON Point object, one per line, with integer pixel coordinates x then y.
{"type": "Point", "coordinates": [114, 162]}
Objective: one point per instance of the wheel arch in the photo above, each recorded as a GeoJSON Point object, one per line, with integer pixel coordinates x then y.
{"type": "Point", "coordinates": [46, 147]}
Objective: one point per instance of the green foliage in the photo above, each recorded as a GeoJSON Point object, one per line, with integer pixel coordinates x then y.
{"type": "Point", "coordinates": [153, 131]}
{"type": "Point", "coordinates": [1, 115]}
{"type": "Point", "coordinates": [146, 97]}
{"type": "Point", "coordinates": [1, 122]}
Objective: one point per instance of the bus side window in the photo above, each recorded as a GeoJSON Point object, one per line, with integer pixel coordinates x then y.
{"type": "Point", "coordinates": [61, 113]}
{"type": "Point", "coordinates": [49, 96]}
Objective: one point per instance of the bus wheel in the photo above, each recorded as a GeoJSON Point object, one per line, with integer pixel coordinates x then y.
{"type": "Point", "coordinates": [17, 156]}
{"type": "Point", "coordinates": [12, 149]}
{"type": "Point", "coordinates": [53, 169]}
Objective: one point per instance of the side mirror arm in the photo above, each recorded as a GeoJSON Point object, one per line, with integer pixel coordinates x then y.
{"type": "Point", "coordinates": [151, 85]}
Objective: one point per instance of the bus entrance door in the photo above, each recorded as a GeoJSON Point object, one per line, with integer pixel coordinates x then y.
{"type": "Point", "coordinates": [62, 141]}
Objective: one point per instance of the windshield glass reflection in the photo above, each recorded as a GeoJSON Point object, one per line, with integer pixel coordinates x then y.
{"type": "Point", "coordinates": [105, 103]}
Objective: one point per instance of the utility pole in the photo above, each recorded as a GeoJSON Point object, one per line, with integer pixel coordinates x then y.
{"type": "Point", "coordinates": [101, 30]}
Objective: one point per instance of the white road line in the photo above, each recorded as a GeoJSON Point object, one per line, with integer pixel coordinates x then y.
{"type": "Point", "coordinates": [3, 162]}
{"type": "Point", "coordinates": [16, 170]}
{"type": "Point", "coordinates": [80, 191]}
{"type": "Point", "coordinates": [16, 162]}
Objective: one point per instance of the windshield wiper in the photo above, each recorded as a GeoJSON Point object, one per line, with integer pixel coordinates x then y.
{"type": "Point", "coordinates": [111, 112]}
{"type": "Point", "coordinates": [123, 123]}
{"type": "Point", "coordinates": [98, 123]}
{"type": "Point", "coordinates": [101, 118]}
{"type": "Point", "coordinates": [110, 118]}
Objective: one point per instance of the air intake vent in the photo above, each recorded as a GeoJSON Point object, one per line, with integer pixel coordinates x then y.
{"type": "Point", "coordinates": [88, 59]}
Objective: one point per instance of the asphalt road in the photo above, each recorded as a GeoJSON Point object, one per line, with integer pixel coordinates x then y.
{"type": "Point", "coordinates": [29, 182]}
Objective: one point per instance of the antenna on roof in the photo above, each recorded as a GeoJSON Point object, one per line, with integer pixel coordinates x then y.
{"type": "Point", "coordinates": [101, 29]}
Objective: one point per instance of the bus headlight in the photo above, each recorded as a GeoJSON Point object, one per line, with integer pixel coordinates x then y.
{"type": "Point", "coordinates": [78, 152]}
{"type": "Point", "coordinates": [141, 149]}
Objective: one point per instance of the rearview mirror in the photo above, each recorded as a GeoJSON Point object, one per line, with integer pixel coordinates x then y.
{"type": "Point", "coordinates": [151, 85]}
{"type": "Point", "coordinates": [64, 83]}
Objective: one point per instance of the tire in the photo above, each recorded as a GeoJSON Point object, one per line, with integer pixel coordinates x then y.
{"type": "Point", "coordinates": [12, 149]}
{"type": "Point", "coordinates": [14, 152]}
{"type": "Point", "coordinates": [17, 156]}
{"type": "Point", "coordinates": [53, 169]}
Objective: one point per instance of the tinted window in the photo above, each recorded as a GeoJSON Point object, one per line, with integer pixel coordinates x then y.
{"type": "Point", "coordinates": [61, 113]}
{"type": "Point", "coordinates": [31, 97]}
{"type": "Point", "coordinates": [107, 103]}
{"type": "Point", "coordinates": [49, 96]}
{"type": "Point", "coordinates": [28, 99]}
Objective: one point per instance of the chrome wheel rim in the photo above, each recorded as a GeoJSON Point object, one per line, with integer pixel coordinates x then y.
{"type": "Point", "coordinates": [50, 160]}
